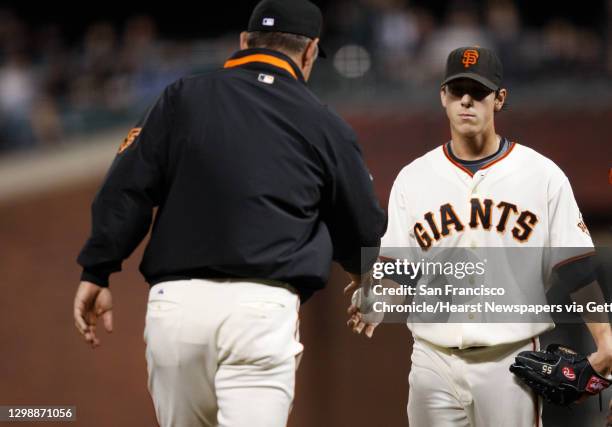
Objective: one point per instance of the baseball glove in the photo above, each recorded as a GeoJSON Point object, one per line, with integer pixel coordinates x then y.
{"type": "Point", "coordinates": [559, 374]}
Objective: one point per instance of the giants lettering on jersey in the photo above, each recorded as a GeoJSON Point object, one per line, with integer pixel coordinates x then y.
{"type": "Point", "coordinates": [505, 218]}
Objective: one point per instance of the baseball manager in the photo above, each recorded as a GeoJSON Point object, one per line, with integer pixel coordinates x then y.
{"type": "Point", "coordinates": [258, 187]}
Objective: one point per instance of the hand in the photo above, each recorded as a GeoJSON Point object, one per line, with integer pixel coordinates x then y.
{"type": "Point", "coordinates": [355, 284]}
{"type": "Point", "coordinates": [357, 323]}
{"type": "Point", "coordinates": [356, 320]}
{"type": "Point", "coordinates": [90, 302]}
{"type": "Point", "coordinates": [601, 361]}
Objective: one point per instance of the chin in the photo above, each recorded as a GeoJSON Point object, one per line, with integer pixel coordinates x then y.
{"type": "Point", "coordinates": [468, 130]}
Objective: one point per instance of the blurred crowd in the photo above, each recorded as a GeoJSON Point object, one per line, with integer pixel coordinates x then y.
{"type": "Point", "coordinates": [51, 89]}
{"type": "Point", "coordinates": [408, 43]}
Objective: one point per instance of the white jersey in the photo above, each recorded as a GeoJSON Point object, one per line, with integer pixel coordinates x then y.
{"type": "Point", "coordinates": [521, 199]}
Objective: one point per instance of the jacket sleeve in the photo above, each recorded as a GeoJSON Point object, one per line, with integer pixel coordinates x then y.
{"type": "Point", "coordinates": [356, 221]}
{"type": "Point", "coordinates": [123, 207]}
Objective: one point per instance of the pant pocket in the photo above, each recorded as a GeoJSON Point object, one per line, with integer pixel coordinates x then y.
{"type": "Point", "coordinates": [263, 308]}
{"type": "Point", "coordinates": [162, 304]}
{"type": "Point", "coordinates": [260, 331]}
{"type": "Point", "coordinates": [161, 314]}
{"type": "Point", "coordinates": [157, 306]}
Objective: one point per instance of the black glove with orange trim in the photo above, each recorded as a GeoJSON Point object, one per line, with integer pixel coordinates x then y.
{"type": "Point", "coordinates": [559, 374]}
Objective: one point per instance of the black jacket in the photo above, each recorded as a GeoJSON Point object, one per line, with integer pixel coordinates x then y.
{"type": "Point", "coordinates": [253, 178]}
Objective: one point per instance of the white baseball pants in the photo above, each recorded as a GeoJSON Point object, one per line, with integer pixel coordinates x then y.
{"type": "Point", "coordinates": [221, 353]}
{"type": "Point", "coordinates": [469, 388]}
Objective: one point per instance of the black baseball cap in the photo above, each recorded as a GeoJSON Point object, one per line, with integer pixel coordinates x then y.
{"type": "Point", "coordinates": [299, 17]}
{"type": "Point", "coordinates": [476, 63]}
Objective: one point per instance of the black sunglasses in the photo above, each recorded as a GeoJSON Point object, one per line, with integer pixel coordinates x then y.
{"type": "Point", "coordinates": [476, 90]}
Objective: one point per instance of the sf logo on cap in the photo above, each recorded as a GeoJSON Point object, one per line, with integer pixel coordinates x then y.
{"type": "Point", "coordinates": [470, 57]}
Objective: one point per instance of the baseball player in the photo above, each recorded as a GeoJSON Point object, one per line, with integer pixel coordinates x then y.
{"type": "Point", "coordinates": [480, 190]}
{"type": "Point", "coordinates": [258, 186]}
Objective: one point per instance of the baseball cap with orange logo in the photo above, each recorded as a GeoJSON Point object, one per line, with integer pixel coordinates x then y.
{"type": "Point", "coordinates": [476, 63]}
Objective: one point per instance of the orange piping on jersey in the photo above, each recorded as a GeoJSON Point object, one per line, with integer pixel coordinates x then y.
{"type": "Point", "coordinates": [574, 258]}
{"type": "Point", "coordinates": [503, 156]}
{"type": "Point", "coordinates": [266, 59]}
{"type": "Point", "coordinates": [488, 165]}
{"type": "Point", "coordinates": [459, 165]}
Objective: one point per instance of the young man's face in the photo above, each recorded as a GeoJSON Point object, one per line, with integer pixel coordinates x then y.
{"type": "Point", "coordinates": [470, 106]}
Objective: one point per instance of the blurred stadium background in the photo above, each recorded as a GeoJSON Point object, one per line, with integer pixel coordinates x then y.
{"type": "Point", "coordinates": [70, 90]}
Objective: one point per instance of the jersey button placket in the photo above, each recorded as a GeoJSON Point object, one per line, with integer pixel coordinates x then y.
{"type": "Point", "coordinates": [476, 180]}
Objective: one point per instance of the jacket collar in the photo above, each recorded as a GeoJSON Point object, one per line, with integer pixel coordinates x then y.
{"type": "Point", "coordinates": [267, 59]}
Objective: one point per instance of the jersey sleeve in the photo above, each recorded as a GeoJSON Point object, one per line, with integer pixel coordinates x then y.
{"type": "Point", "coordinates": [122, 209]}
{"type": "Point", "coordinates": [354, 217]}
{"type": "Point", "coordinates": [569, 236]}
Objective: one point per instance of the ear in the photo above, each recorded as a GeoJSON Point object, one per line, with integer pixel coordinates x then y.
{"type": "Point", "coordinates": [311, 53]}
{"type": "Point", "coordinates": [500, 99]}
{"type": "Point", "coordinates": [243, 40]}
{"type": "Point", "coordinates": [443, 96]}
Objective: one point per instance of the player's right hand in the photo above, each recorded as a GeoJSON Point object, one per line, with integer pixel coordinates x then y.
{"type": "Point", "coordinates": [90, 302]}
{"type": "Point", "coordinates": [359, 322]}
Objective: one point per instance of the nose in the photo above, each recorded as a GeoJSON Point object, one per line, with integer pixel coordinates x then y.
{"type": "Point", "coordinates": [466, 100]}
